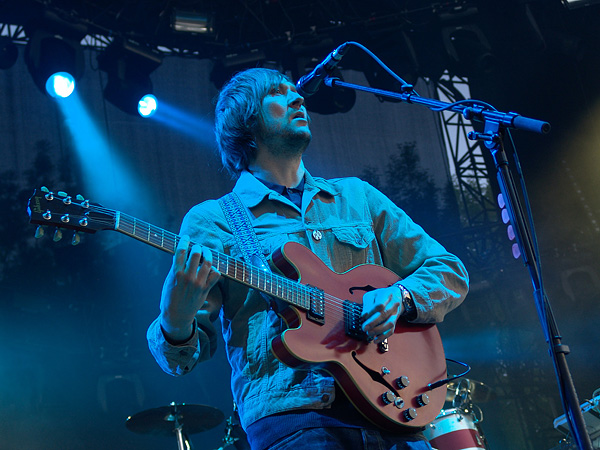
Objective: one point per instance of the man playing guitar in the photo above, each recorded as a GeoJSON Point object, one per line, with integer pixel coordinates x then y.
{"type": "Point", "coordinates": [285, 359]}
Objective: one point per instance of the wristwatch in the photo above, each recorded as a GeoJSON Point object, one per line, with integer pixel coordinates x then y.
{"type": "Point", "coordinates": [410, 310]}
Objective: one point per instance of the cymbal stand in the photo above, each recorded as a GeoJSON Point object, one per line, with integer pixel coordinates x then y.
{"type": "Point", "coordinates": [183, 442]}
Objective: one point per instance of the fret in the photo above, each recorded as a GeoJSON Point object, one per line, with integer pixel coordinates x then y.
{"type": "Point", "coordinates": [142, 231]}
{"type": "Point", "coordinates": [152, 236]}
{"type": "Point", "coordinates": [138, 229]}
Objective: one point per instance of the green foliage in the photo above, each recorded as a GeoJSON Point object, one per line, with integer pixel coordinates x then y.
{"type": "Point", "coordinates": [412, 188]}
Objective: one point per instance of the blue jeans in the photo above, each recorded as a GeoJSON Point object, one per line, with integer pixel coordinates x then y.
{"type": "Point", "coordinates": [347, 439]}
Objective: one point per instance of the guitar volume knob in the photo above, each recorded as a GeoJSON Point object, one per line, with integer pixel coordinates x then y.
{"type": "Point", "coordinates": [410, 414]}
{"type": "Point", "coordinates": [388, 397]}
{"type": "Point", "coordinates": [423, 400]}
{"type": "Point", "coordinates": [402, 381]}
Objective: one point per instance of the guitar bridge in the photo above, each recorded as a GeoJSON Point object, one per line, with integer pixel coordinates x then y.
{"type": "Point", "coordinates": [353, 322]}
{"type": "Point", "coordinates": [316, 313]}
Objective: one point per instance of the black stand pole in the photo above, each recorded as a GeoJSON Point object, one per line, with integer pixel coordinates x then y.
{"type": "Point", "coordinates": [496, 124]}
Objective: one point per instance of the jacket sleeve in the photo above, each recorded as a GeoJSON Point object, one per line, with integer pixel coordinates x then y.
{"type": "Point", "coordinates": [180, 359]}
{"type": "Point", "coordinates": [437, 280]}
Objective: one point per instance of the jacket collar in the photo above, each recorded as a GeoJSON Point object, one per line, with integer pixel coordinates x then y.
{"type": "Point", "coordinates": [252, 191]}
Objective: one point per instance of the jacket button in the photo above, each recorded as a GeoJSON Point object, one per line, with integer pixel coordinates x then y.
{"type": "Point", "coordinates": [317, 235]}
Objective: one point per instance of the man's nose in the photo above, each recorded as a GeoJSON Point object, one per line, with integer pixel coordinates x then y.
{"type": "Point", "coordinates": [296, 99]}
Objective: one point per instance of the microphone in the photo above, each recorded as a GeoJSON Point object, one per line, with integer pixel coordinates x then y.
{"type": "Point", "coordinates": [310, 83]}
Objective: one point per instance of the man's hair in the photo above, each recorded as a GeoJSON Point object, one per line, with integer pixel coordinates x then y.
{"type": "Point", "coordinates": [237, 115]}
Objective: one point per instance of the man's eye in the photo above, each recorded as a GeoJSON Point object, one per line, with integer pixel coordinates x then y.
{"type": "Point", "coordinates": [276, 91]}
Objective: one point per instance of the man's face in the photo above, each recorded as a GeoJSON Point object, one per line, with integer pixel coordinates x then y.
{"type": "Point", "coordinates": [284, 126]}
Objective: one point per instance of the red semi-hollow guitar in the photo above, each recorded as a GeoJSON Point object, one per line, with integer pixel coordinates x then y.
{"type": "Point", "coordinates": [389, 383]}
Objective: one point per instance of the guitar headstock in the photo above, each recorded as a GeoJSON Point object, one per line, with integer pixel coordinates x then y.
{"type": "Point", "coordinates": [62, 211]}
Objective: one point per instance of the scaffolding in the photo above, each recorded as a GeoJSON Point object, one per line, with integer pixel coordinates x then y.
{"type": "Point", "coordinates": [479, 213]}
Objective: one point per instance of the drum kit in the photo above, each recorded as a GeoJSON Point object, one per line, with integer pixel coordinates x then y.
{"type": "Point", "coordinates": [456, 428]}
{"type": "Point", "coordinates": [180, 420]}
{"type": "Point", "coordinates": [459, 427]}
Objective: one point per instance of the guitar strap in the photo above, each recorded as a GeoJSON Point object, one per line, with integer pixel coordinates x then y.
{"type": "Point", "coordinates": [245, 236]}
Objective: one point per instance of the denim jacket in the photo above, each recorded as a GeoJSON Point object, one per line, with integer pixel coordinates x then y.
{"type": "Point", "coordinates": [345, 222]}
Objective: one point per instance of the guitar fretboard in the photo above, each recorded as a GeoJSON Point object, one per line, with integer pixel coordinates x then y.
{"type": "Point", "coordinates": [278, 286]}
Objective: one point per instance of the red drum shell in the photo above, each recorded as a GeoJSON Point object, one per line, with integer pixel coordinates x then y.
{"type": "Point", "coordinates": [452, 429]}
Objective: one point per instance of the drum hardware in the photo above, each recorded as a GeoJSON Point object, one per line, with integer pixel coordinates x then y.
{"type": "Point", "coordinates": [458, 428]}
{"type": "Point", "coordinates": [472, 390]}
{"type": "Point", "coordinates": [176, 419]}
{"type": "Point", "coordinates": [234, 434]}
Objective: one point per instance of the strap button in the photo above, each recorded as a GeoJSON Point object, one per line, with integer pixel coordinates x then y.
{"type": "Point", "coordinates": [317, 235]}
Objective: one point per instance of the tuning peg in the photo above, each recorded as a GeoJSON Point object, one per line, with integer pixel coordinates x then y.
{"type": "Point", "coordinates": [39, 232]}
{"type": "Point", "coordinates": [57, 235]}
{"type": "Point", "coordinates": [80, 197]}
{"type": "Point", "coordinates": [76, 239]}
{"type": "Point", "coordinates": [62, 194]}
{"type": "Point", "coordinates": [44, 189]}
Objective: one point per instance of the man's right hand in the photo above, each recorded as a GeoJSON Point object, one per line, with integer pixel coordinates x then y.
{"type": "Point", "coordinates": [186, 289]}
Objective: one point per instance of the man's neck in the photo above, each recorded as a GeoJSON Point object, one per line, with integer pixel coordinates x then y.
{"type": "Point", "coordinates": [284, 171]}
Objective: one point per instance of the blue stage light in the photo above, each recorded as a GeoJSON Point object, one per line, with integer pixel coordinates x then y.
{"type": "Point", "coordinates": [128, 66]}
{"type": "Point", "coordinates": [54, 62]}
{"type": "Point", "coordinates": [60, 84]}
{"type": "Point", "coordinates": [147, 105]}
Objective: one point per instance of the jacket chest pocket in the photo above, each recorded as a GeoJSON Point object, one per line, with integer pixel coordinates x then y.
{"type": "Point", "coordinates": [352, 245]}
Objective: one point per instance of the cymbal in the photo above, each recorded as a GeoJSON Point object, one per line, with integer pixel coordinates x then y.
{"type": "Point", "coordinates": [477, 391]}
{"type": "Point", "coordinates": [165, 419]}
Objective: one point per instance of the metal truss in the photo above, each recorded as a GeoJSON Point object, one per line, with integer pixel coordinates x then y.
{"type": "Point", "coordinates": [482, 227]}
{"type": "Point", "coordinates": [15, 32]}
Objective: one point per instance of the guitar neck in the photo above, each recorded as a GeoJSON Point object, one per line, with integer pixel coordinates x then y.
{"type": "Point", "coordinates": [258, 278]}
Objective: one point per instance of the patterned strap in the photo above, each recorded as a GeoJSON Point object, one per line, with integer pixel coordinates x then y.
{"type": "Point", "coordinates": [245, 236]}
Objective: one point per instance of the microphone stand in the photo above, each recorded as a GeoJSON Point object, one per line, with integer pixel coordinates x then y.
{"type": "Point", "coordinates": [496, 124]}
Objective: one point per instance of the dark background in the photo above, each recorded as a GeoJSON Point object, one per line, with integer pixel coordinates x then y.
{"type": "Point", "coordinates": [73, 319]}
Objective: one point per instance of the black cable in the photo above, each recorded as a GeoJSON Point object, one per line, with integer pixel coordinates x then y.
{"type": "Point", "coordinates": [439, 383]}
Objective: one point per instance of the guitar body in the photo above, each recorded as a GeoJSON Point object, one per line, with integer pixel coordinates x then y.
{"type": "Point", "coordinates": [363, 370]}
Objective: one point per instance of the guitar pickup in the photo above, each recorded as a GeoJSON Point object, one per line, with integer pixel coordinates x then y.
{"type": "Point", "coordinates": [316, 313]}
{"type": "Point", "coordinates": [353, 322]}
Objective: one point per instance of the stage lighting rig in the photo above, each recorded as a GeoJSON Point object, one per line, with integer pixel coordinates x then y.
{"type": "Point", "coordinates": [192, 22]}
{"type": "Point", "coordinates": [54, 61]}
{"type": "Point", "coordinates": [128, 66]}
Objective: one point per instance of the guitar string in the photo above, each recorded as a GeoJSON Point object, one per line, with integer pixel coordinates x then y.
{"type": "Point", "coordinates": [293, 288]}
{"type": "Point", "coordinates": [337, 307]}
